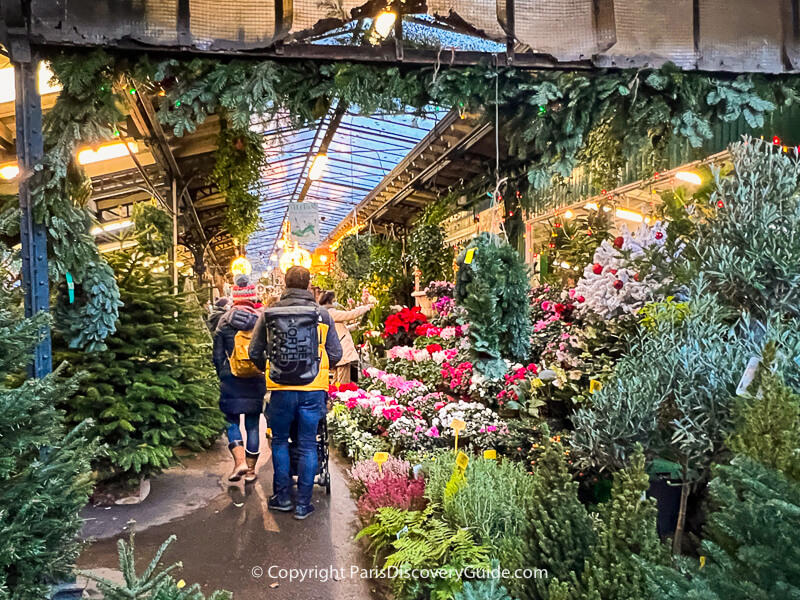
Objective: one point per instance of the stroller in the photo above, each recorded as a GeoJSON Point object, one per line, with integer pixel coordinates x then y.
{"type": "Point", "coordinates": [323, 477]}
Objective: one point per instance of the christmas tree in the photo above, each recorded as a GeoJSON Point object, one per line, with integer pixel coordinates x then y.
{"type": "Point", "coordinates": [154, 388]}
{"type": "Point", "coordinates": [559, 535]}
{"type": "Point", "coordinates": [44, 472]}
{"type": "Point", "coordinates": [752, 550]}
{"type": "Point", "coordinates": [616, 570]}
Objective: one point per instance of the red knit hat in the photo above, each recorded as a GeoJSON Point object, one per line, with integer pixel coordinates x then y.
{"type": "Point", "coordinates": [243, 289]}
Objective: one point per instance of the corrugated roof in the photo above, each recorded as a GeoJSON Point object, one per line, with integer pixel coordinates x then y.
{"type": "Point", "coordinates": [362, 151]}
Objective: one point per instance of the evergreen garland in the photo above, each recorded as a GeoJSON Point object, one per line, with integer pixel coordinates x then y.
{"type": "Point", "coordinates": [153, 388]}
{"type": "Point", "coordinates": [239, 158]}
{"type": "Point", "coordinates": [493, 287]}
{"type": "Point", "coordinates": [41, 492]}
{"type": "Point", "coordinates": [85, 113]}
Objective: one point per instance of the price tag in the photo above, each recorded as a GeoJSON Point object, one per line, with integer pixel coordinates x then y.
{"type": "Point", "coordinates": [458, 426]}
{"type": "Point", "coordinates": [702, 561]}
{"type": "Point", "coordinates": [380, 458]}
{"type": "Point", "coordinates": [417, 470]}
{"type": "Point", "coordinates": [748, 375]}
{"type": "Point", "coordinates": [595, 386]}
{"type": "Point", "coordinates": [462, 460]}
{"type": "Point", "coordinates": [469, 256]}
{"type": "Point", "coordinates": [490, 454]}
{"type": "Point", "coordinates": [403, 532]}
{"type": "Point", "coordinates": [70, 287]}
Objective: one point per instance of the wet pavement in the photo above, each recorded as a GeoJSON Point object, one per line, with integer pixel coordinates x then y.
{"type": "Point", "coordinates": [227, 539]}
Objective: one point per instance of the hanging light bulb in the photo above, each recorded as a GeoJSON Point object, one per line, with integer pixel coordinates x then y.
{"type": "Point", "coordinates": [281, 243]}
{"type": "Point", "coordinates": [9, 171]}
{"type": "Point", "coordinates": [241, 266]}
{"type": "Point", "coordinates": [296, 257]}
{"type": "Point", "coordinates": [318, 167]}
{"type": "Point", "coordinates": [274, 257]}
{"type": "Point", "coordinates": [629, 215]}
{"type": "Point", "coordinates": [568, 214]}
{"type": "Point", "coordinates": [384, 23]}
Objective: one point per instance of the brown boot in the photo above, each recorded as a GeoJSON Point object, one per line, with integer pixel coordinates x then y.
{"type": "Point", "coordinates": [252, 461]}
{"type": "Point", "coordinates": [240, 466]}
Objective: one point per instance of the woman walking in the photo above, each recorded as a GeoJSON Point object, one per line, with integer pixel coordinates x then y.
{"type": "Point", "coordinates": [242, 385]}
{"type": "Point", "coordinates": [343, 319]}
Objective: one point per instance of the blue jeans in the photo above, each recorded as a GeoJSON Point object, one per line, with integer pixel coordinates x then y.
{"type": "Point", "coordinates": [304, 409]}
{"type": "Point", "coordinates": [251, 423]}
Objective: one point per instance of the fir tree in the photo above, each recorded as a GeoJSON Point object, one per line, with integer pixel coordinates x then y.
{"type": "Point", "coordinates": [768, 420]}
{"type": "Point", "coordinates": [559, 535]}
{"type": "Point", "coordinates": [615, 569]}
{"type": "Point", "coordinates": [154, 388]}
{"type": "Point", "coordinates": [490, 588]}
{"type": "Point", "coordinates": [154, 583]}
{"type": "Point", "coordinates": [44, 472]}
{"type": "Point", "coordinates": [752, 550]}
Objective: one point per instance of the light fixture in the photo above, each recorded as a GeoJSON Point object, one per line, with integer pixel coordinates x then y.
{"type": "Point", "coordinates": [281, 243]}
{"type": "Point", "coordinates": [318, 167]}
{"type": "Point", "coordinates": [323, 258]}
{"type": "Point", "coordinates": [241, 266]}
{"type": "Point", "coordinates": [384, 23]}
{"type": "Point", "coordinates": [606, 208]}
{"type": "Point", "coordinates": [629, 215]}
{"type": "Point", "coordinates": [689, 177]}
{"type": "Point", "coordinates": [9, 171]}
{"type": "Point", "coordinates": [590, 206]}
{"type": "Point", "coordinates": [568, 214]}
{"type": "Point", "coordinates": [647, 220]}
{"type": "Point", "coordinates": [297, 257]}
{"type": "Point", "coordinates": [107, 227]}
{"type": "Point", "coordinates": [114, 246]}
{"type": "Point", "coordinates": [7, 83]}
{"type": "Point", "coordinates": [274, 257]}
{"type": "Point", "coordinates": [106, 152]}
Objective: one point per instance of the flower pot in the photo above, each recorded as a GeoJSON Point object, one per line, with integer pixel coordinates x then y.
{"type": "Point", "coordinates": [425, 304]}
{"type": "Point", "coordinates": [668, 502]}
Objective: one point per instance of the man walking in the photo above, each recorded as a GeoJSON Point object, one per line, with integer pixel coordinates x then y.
{"type": "Point", "coordinates": [295, 342]}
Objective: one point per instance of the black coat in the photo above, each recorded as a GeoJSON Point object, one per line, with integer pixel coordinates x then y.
{"type": "Point", "coordinates": [237, 395]}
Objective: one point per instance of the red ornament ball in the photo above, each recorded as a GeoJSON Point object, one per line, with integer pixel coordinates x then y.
{"type": "Point", "coordinates": [581, 299]}
{"type": "Point", "coordinates": [618, 241]}
{"type": "Point", "coordinates": [597, 268]}
{"type": "Point", "coordinates": [720, 204]}
{"type": "Point", "coordinates": [618, 284]}
{"type": "Point", "coordinates": [659, 235]}
{"type": "Point", "coordinates": [612, 271]}
{"type": "Point", "coordinates": [636, 277]}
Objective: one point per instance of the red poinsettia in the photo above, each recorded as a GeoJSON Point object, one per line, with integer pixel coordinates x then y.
{"type": "Point", "coordinates": [431, 348]}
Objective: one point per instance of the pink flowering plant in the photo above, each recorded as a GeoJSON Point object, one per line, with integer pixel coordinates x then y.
{"type": "Point", "coordinates": [423, 364]}
{"type": "Point", "coordinates": [365, 472]}
{"type": "Point", "coordinates": [412, 432]}
{"type": "Point", "coordinates": [484, 427]}
{"type": "Point", "coordinates": [458, 378]}
{"type": "Point", "coordinates": [371, 409]}
{"type": "Point", "coordinates": [398, 491]}
{"type": "Point", "coordinates": [392, 384]}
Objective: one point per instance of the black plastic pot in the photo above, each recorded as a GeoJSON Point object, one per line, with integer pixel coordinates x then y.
{"type": "Point", "coordinates": [667, 493]}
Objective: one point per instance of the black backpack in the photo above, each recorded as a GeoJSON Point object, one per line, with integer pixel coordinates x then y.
{"type": "Point", "coordinates": [292, 335]}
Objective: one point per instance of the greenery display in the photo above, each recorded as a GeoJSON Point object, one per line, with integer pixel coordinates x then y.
{"type": "Point", "coordinates": [153, 228]}
{"type": "Point", "coordinates": [239, 158]}
{"type": "Point", "coordinates": [559, 535]}
{"type": "Point", "coordinates": [747, 250]}
{"type": "Point", "coordinates": [155, 582]}
{"type": "Point", "coordinates": [674, 393]}
{"type": "Point", "coordinates": [752, 549]}
{"type": "Point", "coordinates": [627, 544]}
{"type": "Point", "coordinates": [426, 246]}
{"type": "Point", "coordinates": [493, 286]}
{"type": "Point", "coordinates": [428, 543]}
{"type": "Point", "coordinates": [574, 241]}
{"type": "Point", "coordinates": [484, 589]}
{"type": "Point", "coordinates": [44, 471]}
{"type": "Point", "coordinates": [354, 257]}
{"type": "Point", "coordinates": [153, 388]}
{"type": "Point", "coordinates": [86, 113]}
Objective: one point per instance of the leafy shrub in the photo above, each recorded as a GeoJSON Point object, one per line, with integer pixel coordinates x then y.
{"type": "Point", "coordinates": [154, 388]}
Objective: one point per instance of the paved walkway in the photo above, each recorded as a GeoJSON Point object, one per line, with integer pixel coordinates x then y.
{"type": "Point", "coordinates": [227, 539]}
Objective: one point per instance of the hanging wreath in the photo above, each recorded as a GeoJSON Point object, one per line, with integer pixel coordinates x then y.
{"type": "Point", "coordinates": [153, 229]}
{"type": "Point", "coordinates": [354, 257]}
